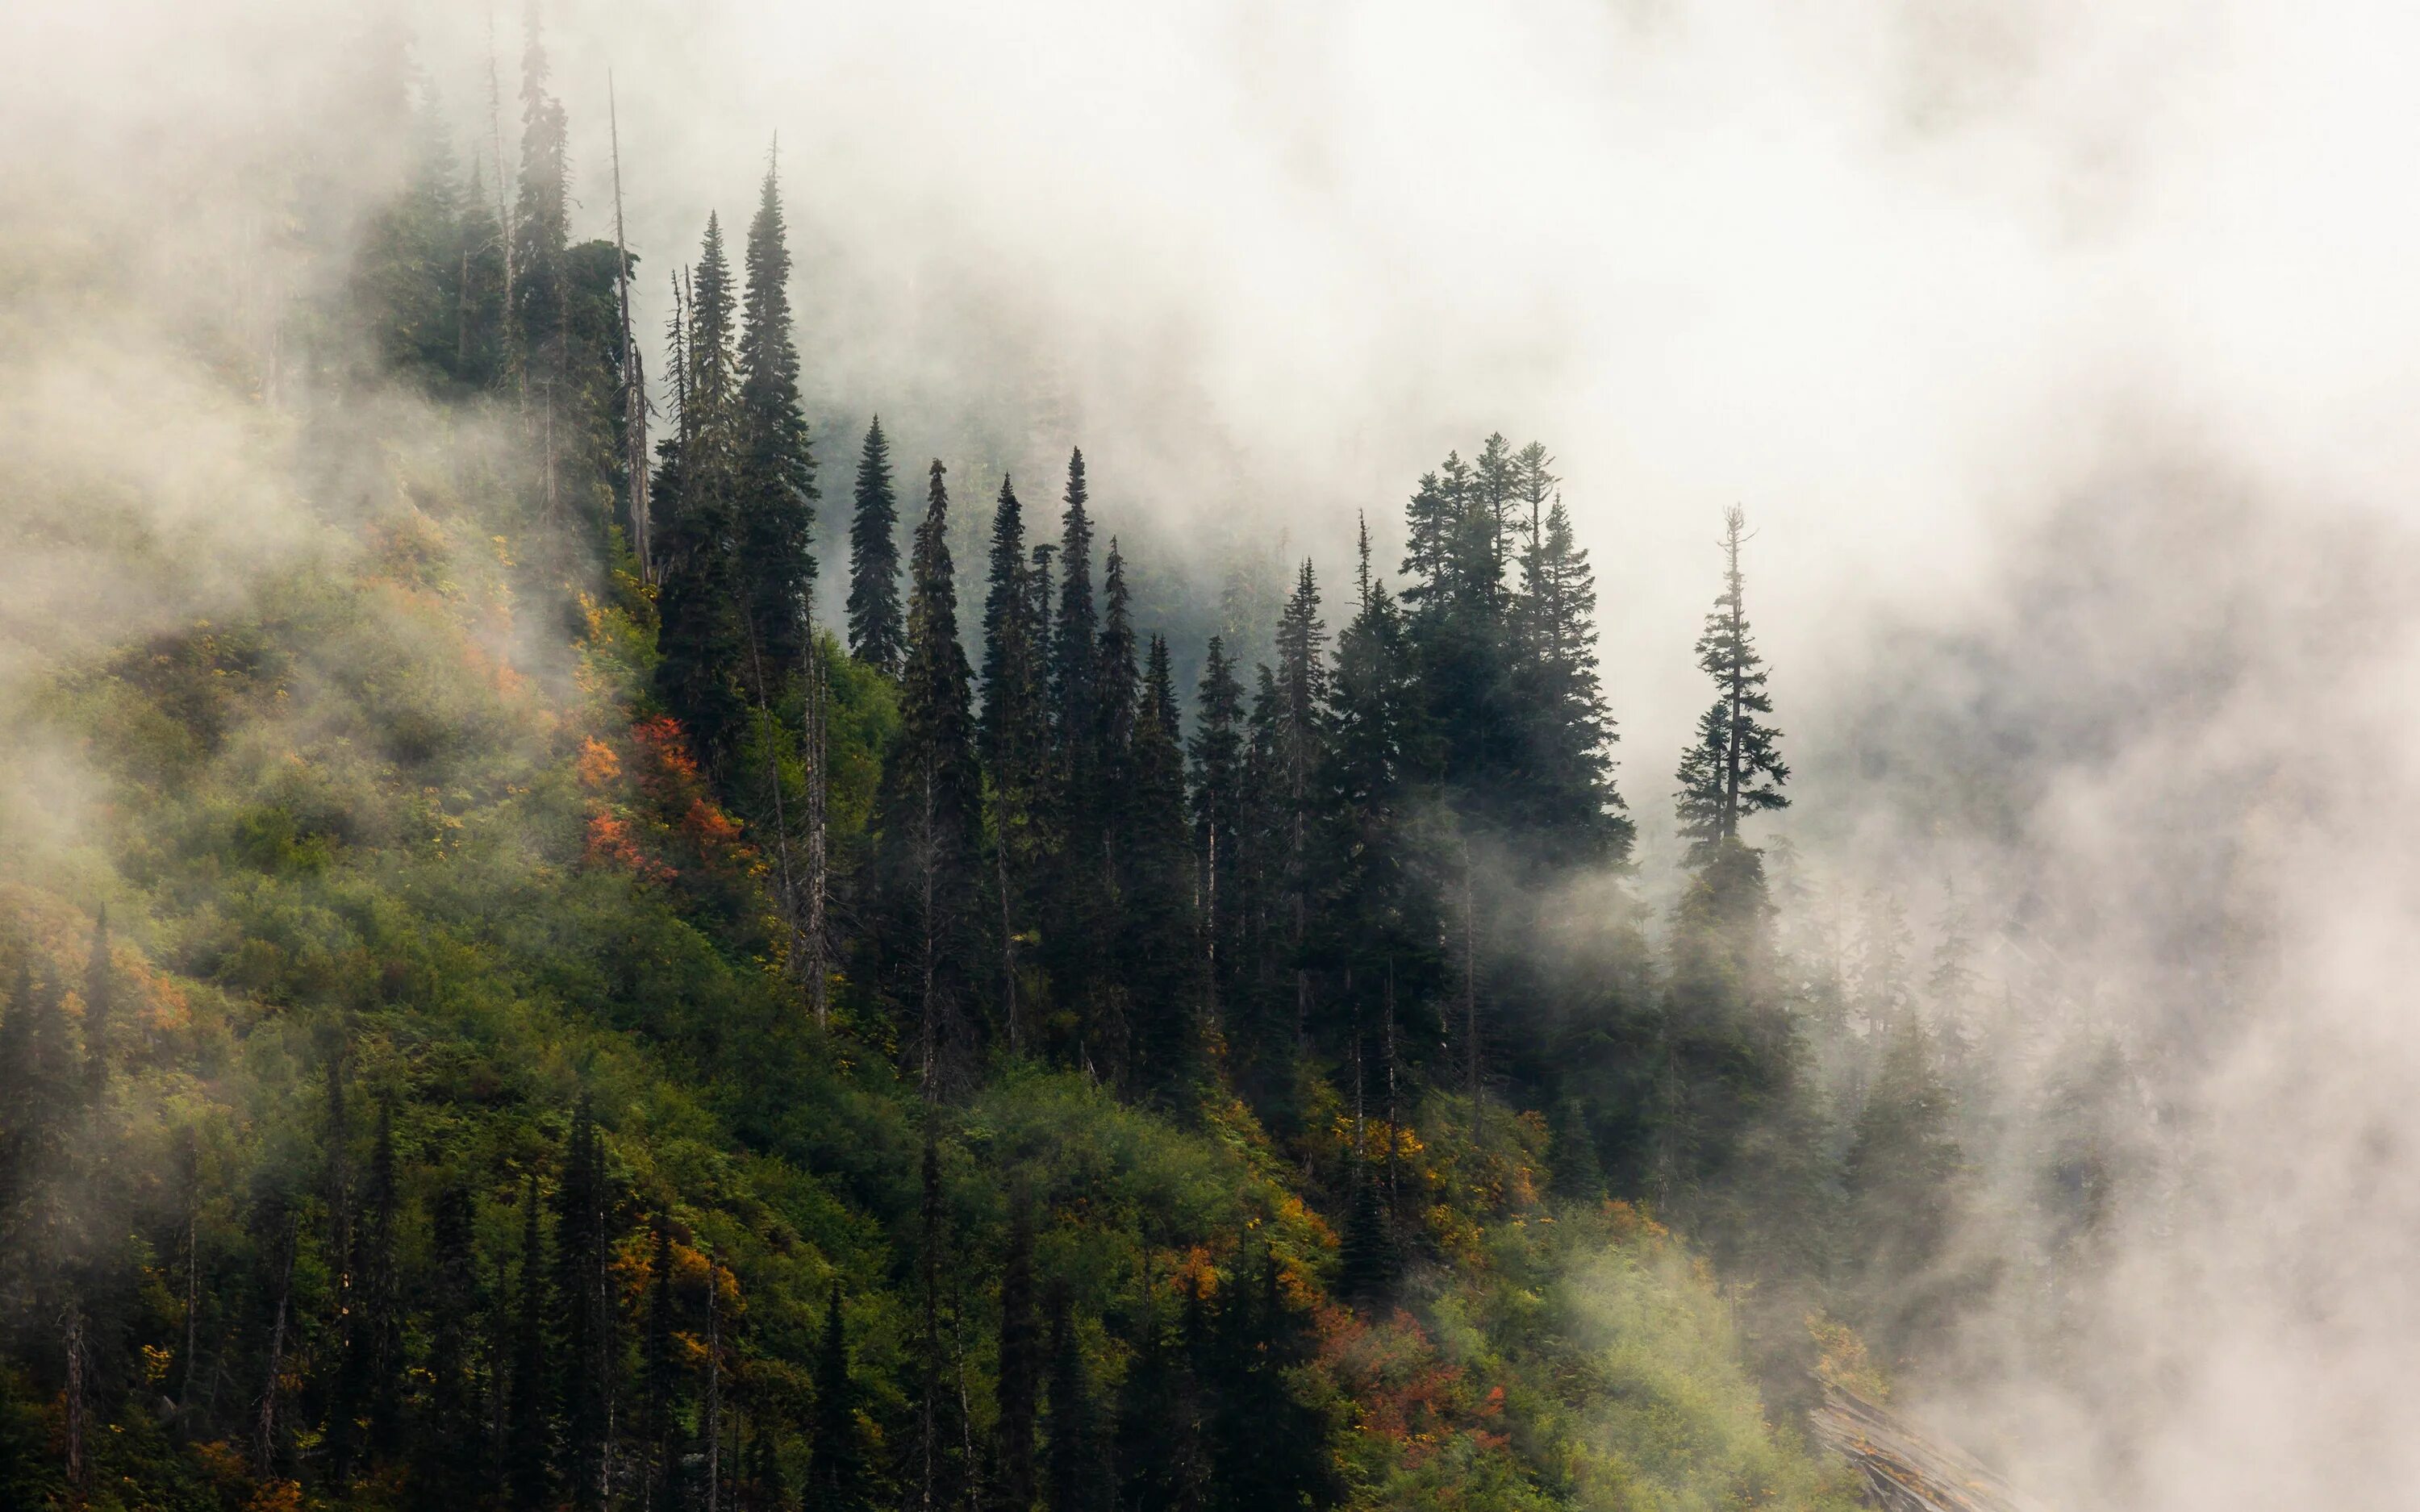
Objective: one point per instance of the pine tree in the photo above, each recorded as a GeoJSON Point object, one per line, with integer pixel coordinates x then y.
{"type": "Point", "coordinates": [1019, 1360]}
{"type": "Point", "coordinates": [1735, 768]}
{"type": "Point", "coordinates": [1377, 923]}
{"type": "Point", "coordinates": [1158, 957]}
{"type": "Point", "coordinates": [1217, 752]}
{"type": "Point", "coordinates": [1074, 658]}
{"type": "Point", "coordinates": [1301, 736]}
{"type": "Point", "coordinates": [583, 1309]}
{"type": "Point", "coordinates": [529, 1448]}
{"type": "Point", "coordinates": [876, 632]}
{"type": "Point", "coordinates": [661, 1377]}
{"type": "Point", "coordinates": [447, 1462]}
{"type": "Point", "coordinates": [541, 286]}
{"type": "Point", "coordinates": [930, 807]}
{"type": "Point", "coordinates": [836, 1469]}
{"type": "Point", "coordinates": [773, 482]}
{"type": "Point", "coordinates": [1567, 801]}
{"type": "Point", "coordinates": [1367, 1258]}
{"type": "Point", "coordinates": [702, 639]}
{"type": "Point", "coordinates": [1014, 737]}
{"type": "Point", "coordinates": [1077, 913]}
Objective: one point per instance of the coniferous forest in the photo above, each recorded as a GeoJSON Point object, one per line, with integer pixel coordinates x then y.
{"type": "Point", "coordinates": [939, 1055]}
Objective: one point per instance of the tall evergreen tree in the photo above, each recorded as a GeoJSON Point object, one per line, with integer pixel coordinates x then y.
{"type": "Point", "coordinates": [930, 807]}
{"type": "Point", "coordinates": [1735, 770]}
{"type": "Point", "coordinates": [583, 1310]}
{"type": "Point", "coordinates": [541, 283]}
{"type": "Point", "coordinates": [702, 639]}
{"type": "Point", "coordinates": [448, 1434]}
{"type": "Point", "coordinates": [1301, 737]}
{"type": "Point", "coordinates": [664, 1383]}
{"type": "Point", "coordinates": [529, 1446]}
{"type": "Point", "coordinates": [1014, 737]}
{"type": "Point", "coordinates": [773, 474]}
{"type": "Point", "coordinates": [876, 630]}
{"type": "Point", "coordinates": [1567, 801]}
{"type": "Point", "coordinates": [1074, 658]}
{"type": "Point", "coordinates": [1217, 752]}
{"type": "Point", "coordinates": [836, 1466]}
{"type": "Point", "coordinates": [1159, 957]}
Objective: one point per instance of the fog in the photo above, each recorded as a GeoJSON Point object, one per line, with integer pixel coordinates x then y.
{"type": "Point", "coordinates": [2060, 354]}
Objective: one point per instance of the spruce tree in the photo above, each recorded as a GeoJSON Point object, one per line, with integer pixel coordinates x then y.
{"type": "Point", "coordinates": [835, 1466]}
{"type": "Point", "coordinates": [930, 808]}
{"type": "Point", "coordinates": [448, 1431]}
{"type": "Point", "coordinates": [541, 286]}
{"type": "Point", "coordinates": [773, 481]}
{"type": "Point", "coordinates": [1014, 737]}
{"type": "Point", "coordinates": [1158, 959]}
{"type": "Point", "coordinates": [529, 1446]}
{"type": "Point", "coordinates": [876, 630]}
{"type": "Point", "coordinates": [702, 639]}
{"type": "Point", "coordinates": [583, 1309]}
{"type": "Point", "coordinates": [1217, 753]}
{"type": "Point", "coordinates": [1734, 769]}
{"type": "Point", "coordinates": [1568, 806]}
{"type": "Point", "coordinates": [1300, 732]}
{"type": "Point", "coordinates": [1073, 659]}
{"type": "Point", "coordinates": [662, 1380]}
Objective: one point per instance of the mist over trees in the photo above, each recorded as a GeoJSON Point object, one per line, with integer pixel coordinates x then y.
{"type": "Point", "coordinates": [936, 1059]}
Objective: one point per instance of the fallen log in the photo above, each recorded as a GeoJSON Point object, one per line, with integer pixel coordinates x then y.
{"type": "Point", "coordinates": [1903, 1469]}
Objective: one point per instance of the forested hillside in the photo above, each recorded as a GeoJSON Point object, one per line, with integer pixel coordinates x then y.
{"type": "Point", "coordinates": [534, 1019]}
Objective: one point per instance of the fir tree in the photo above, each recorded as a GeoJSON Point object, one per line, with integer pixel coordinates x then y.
{"type": "Point", "coordinates": [702, 639]}
{"type": "Point", "coordinates": [1217, 752]}
{"type": "Point", "coordinates": [541, 286]}
{"type": "Point", "coordinates": [835, 1469]}
{"type": "Point", "coordinates": [876, 631]}
{"type": "Point", "coordinates": [1158, 957]}
{"type": "Point", "coordinates": [449, 1432]}
{"type": "Point", "coordinates": [773, 481]}
{"type": "Point", "coordinates": [1074, 658]}
{"type": "Point", "coordinates": [1735, 768]}
{"type": "Point", "coordinates": [583, 1309]}
{"type": "Point", "coordinates": [1300, 732]}
{"type": "Point", "coordinates": [662, 1380]}
{"type": "Point", "coordinates": [1015, 736]}
{"type": "Point", "coordinates": [529, 1447]}
{"type": "Point", "coordinates": [1567, 801]}
{"type": "Point", "coordinates": [931, 805]}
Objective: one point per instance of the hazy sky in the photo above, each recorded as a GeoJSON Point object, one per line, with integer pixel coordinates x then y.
{"type": "Point", "coordinates": [2077, 338]}
{"type": "Point", "coordinates": [1877, 271]}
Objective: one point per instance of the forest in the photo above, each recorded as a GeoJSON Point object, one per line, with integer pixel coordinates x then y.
{"type": "Point", "coordinates": [935, 1059]}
